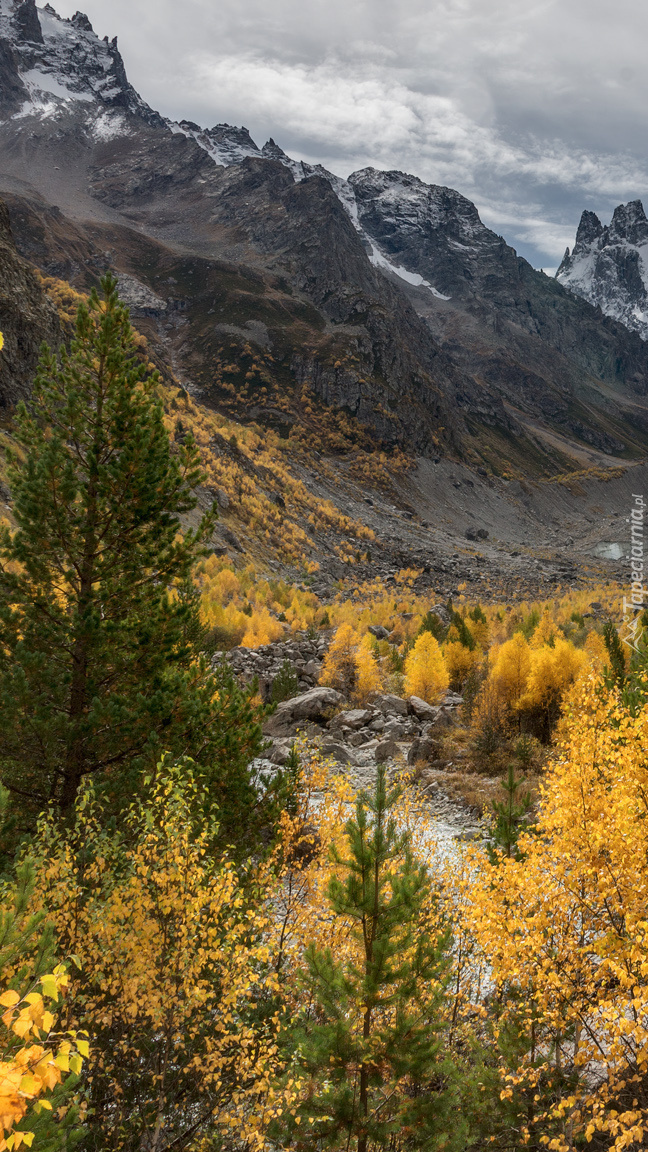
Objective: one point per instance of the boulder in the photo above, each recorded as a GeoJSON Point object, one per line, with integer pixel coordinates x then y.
{"type": "Point", "coordinates": [397, 729]}
{"type": "Point", "coordinates": [378, 631]}
{"type": "Point", "coordinates": [386, 750]}
{"type": "Point", "coordinates": [424, 749]}
{"type": "Point", "coordinates": [421, 709]}
{"type": "Point", "coordinates": [357, 739]}
{"type": "Point", "coordinates": [280, 751]}
{"type": "Point", "coordinates": [443, 719]}
{"type": "Point", "coordinates": [354, 718]}
{"type": "Point", "coordinates": [222, 498]}
{"type": "Point", "coordinates": [338, 752]}
{"type": "Point", "coordinates": [388, 704]}
{"type": "Point", "coordinates": [452, 700]}
{"type": "Point", "coordinates": [314, 705]}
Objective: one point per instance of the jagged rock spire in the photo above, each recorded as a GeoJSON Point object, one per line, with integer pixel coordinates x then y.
{"type": "Point", "coordinates": [629, 223]}
{"type": "Point", "coordinates": [80, 20]}
{"type": "Point", "coordinates": [589, 229]}
{"type": "Point", "coordinates": [26, 23]}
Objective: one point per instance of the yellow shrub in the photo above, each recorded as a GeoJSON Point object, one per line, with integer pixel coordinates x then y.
{"type": "Point", "coordinates": [350, 665]}
{"type": "Point", "coordinates": [262, 629]}
{"type": "Point", "coordinates": [459, 661]}
{"type": "Point", "coordinates": [367, 670]}
{"type": "Point", "coordinates": [339, 669]}
{"type": "Point", "coordinates": [511, 669]}
{"type": "Point", "coordinates": [596, 651]}
{"type": "Point", "coordinates": [426, 674]}
{"type": "Point", "coordinates": [552, 671]}
{"type": "Point", "coordinates": [546, 631]}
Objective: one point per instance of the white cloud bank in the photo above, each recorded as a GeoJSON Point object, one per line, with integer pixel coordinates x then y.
{"type": "Point", "coordinates": [534, 110]}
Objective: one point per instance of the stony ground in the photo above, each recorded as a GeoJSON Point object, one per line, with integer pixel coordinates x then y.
{"type": "Point", "coordinates": [399, 733]}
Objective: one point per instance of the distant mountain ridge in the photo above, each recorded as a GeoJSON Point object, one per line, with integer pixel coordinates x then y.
{"type": "Point", "coordinates": [608, 265]}
{"type": "Point", "coordinates": [386, 296]}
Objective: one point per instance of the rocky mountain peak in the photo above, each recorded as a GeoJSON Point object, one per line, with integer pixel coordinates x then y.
{"type": "Point", "coordinates": [26, 23]}
{"type": "Point", "coordinates": [225, 143]}
{"type": "Point", "coordinates": [608, 265]}
{"type": "Point", "coordinates": [52, 67]}
{"type": "Point", "coordinates": [629, 224]}
{"type": "Point", "coordinates": [589, 229]}
{"type": "Point", "coordinates": [272, 151]}
{"type": "Point", "coordinates": [80, 20]}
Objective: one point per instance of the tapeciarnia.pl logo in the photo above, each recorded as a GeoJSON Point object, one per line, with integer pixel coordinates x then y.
{"type": "Point", "coordinates": [634, 607]}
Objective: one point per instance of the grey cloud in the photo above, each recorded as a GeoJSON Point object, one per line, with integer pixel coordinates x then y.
{"type": "Point", "coordinates": [535, 111]}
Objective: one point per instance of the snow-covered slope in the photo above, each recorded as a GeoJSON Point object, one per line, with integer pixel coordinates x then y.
{"type": "Point", "coordinates": [50, 66]}
{"type": "Point", "coordinates": [52, 69]}
{"type": "Point", "coordinates": [608, 265]}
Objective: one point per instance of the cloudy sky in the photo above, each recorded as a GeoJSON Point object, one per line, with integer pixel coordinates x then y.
{"type": "Point", "coordinates": [535, 109]}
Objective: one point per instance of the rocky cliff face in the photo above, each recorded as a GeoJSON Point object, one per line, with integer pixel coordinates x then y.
{"type": "Point", "coordinates": [388, 297]}
{"type": "Point", "coordinates": [26, 319]}
{"type": "Point", "coordinates": [608, 265]}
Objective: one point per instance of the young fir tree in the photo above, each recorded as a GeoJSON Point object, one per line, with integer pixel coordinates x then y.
{"type": "Point", "coordinates": [99, 629]}
{"type": "Point", "coordinates": [617, 672]}
{"type": "Point", "coordinates": [510, 819]}
{"type": "Point", "coordinates": [371, 1042]}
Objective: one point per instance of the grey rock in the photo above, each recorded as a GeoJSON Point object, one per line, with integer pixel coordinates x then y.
{"type": "Point", "coordinates": [280, 751]}
{"type": "Point", "coordinates": [312, 706]}
{"type": "Point", "coordinates": [386, 750]}
{"type": "Point", "coordinates": [423, 748]}
{"type": "Point", "coordinates": [222, 499]}
{"type": "Point", "coordinates": [378, 631]}
{"type": "Point", "coordinates": [354, 718]}
{"type": "Point", "coordinates": [357, 739]}
{"type": "Point", "coordinates": [316, 704]}
{"type": "Point", "coordinates": [452, 700]}
{"type": "Point", "coordinates": [397, 730]}
{"type": "Point", "coordinates": [421, 709]}
{"type": "Point", "coordinates": [228, 537]}
{"type": "Point", "coordinates": [388, 704]}
{"type": "Point", "coordinates": [339, 752]}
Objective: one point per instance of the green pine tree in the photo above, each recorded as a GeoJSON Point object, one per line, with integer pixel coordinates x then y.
{"type": "Point", "coordinates": [99, 631]}
{"type": "Point", "coordinates": [510, 819]}
{"type": "Point", "coordinates": [617, 670]}
{"type": "Point", "coordinates": [371, 1040]}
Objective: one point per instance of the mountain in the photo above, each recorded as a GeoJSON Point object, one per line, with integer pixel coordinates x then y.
{"type": "Point", "coordinates": [400, 353]}
{"type": "Point", "coordinates": [608, 265]}
{"type": "Point", "coordinates": [385, 297]}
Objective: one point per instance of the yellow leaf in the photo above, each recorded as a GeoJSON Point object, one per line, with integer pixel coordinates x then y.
{"type": "Point", "coordinates": [10, 998]}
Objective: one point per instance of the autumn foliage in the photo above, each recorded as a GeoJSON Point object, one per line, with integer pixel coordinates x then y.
{"type": "Point", "coordinates": [173, 961]}
{"type": "Point", "coordinates": [564, 932]}
{"type": "Point", "coordinates": [426, 673]}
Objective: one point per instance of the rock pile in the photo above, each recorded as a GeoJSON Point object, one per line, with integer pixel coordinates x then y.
{"type": "Point", "coordinates": [363, 737]}
{"type": "Point", "coordinates": [303, 654]}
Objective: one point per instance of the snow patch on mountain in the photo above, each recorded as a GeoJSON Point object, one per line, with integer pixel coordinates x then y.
{"type": "Point", "coordinates": [608, 265]}
{"type": "Point", "coordinates": [414, 278]}
{"type": "Point", "coordinates": [63, 64]}
{"type": "Point", "coordinates": [37, 82]}
{"type": "Point", "coordinates": [225, 143]}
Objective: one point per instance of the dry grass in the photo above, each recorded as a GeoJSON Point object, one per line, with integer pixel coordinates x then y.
{"type": "Point", "coordinates": [473, 789]}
